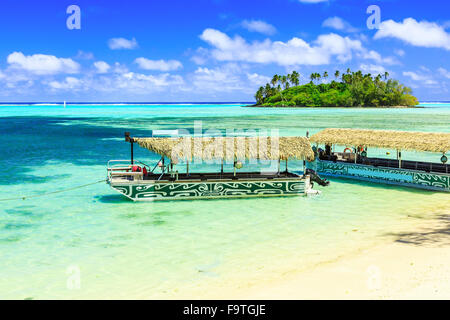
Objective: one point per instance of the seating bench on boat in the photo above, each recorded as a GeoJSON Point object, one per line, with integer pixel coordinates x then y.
{"type": "Point", "coordinates": [357, 164]}
{"type": "Point", "coordinates": [162, 181]}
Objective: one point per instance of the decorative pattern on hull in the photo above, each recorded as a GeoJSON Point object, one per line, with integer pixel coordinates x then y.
{"type": "Point", "coordinates": [403, 177]}
{"type": "Point", "coordinates": [199, 190]}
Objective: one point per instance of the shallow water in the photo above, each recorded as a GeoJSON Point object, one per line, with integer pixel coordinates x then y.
{"type": "Point", "coordinates": [147, 250]}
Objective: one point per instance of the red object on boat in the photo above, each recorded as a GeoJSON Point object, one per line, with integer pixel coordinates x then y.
{"type": "Point", "coordinates": [136, 169]}
{"type": "Point", "coordinates": [144, 171]}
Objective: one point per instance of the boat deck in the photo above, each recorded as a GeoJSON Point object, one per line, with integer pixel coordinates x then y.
{"type": "Point", "coordinates": [225, 176]}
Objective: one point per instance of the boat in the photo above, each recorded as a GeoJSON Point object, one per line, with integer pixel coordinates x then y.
{"type": "Point", "coordinates": [164, 181]}
{"type": "Point", "coordinates": [359, 161]}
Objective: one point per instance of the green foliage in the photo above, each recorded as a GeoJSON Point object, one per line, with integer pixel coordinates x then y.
{"type": "Point", "coordinates": [354, 90]}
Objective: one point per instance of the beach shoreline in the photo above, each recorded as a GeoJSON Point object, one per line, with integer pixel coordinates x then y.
{"type": "Point", "coordinates": [346, 107]}
{"type": "Point", "coordinates": [416, 265]}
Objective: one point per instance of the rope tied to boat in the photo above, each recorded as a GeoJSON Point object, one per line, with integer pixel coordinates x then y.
{"type": "Point", "coordinates": [53, 192]}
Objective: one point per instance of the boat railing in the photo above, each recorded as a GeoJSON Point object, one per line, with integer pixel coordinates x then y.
{"type": "Point", "coordinates": [393, 163]}
{"type": "Point", "coordinates": [124, 169]}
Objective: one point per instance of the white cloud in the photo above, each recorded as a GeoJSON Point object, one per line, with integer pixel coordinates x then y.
{"type": "Point", "coordinates": [85, 55]}
{"type": "Point", "coordinates": [338, 24]}
{"type": "Point", "coordinates": [375, 56]}
{"type": "Point", "coordinates": [122, 43]}
{"type": "Point", "coordinates": [373, 69]}
{"type": "Point", "coordinates": [293, 52]}
{"type": "Point", "coordinates": [259, 26]}
{"type": "Point", "coordinates": [69, 83]}
{"type": "Point", "coordinates": [257, 79]}
{"type": "Point", "coordinates": [42, 64]}
{"type": "Point", "coordinates": [120, 68]}
{"type": "Point", "coordinates": [444, 72]}
{"type": "Point", "coordinates": [225, 78]}
{"type": "Point", "coordinates": [399, 52]}
{"type": "Point", "coordinates": [425, 79]}
{"type": "Point", "coordinates": [420, 34]}
{"type": "Point", "coordinates": [102, 66]}
{"type": "Point", "coordinates": [161, 65]}
{"type": "Point", "coordinates": [141, 82]}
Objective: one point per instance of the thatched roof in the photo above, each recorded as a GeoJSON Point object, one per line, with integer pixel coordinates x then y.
{"type": "Point", "coordinates": [400, 140]}
{"type": "Point", "coordinates": [260, 148]}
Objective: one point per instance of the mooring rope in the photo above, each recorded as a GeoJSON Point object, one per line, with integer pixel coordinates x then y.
{"type": "Point", "coordinates": [53, 192]}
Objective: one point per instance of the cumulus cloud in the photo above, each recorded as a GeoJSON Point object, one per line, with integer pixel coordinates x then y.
{"type": "Point", "coordinates": [259, 26]}
{"type": "Point", "coordinates": [257, 79]}
{"type": "Point", "coordinates": [69, 83]}
{"type": "Point", "coordinates": [102, 66]}
{"type": "Point", "coordinates": [338, 24]}
{"type": "Point", "coordinates": [375, 56]}
{"type": "Point", "coordinates": [399, 52]}
{"type": "Point", "coordinates": [122, 43]}
{"type": "Point", "coordinates": [420, 34]}
{"type": "Point", "coordinates": [293, 52]}
{"type": "Point", "coordinates": [42, 64]}
{"type": "Point", "coordinates": [372, 69]}
{"type": "Point", "coordinates": [444, 72]}
{"type": "Point", "coordinates": [161, 65]}
{"type": "Point", "coordinates": [138, 82]}
{"type": "Point", "coordinates": [425, 79]}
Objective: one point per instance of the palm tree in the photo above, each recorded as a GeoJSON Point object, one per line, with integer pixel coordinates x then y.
{"type": "Point", "coordinates": [336, 74]}
{"type": "Point", "coordinates": [386, 75]}
{"type": "Point", "coordinates": [318, 76]}
{"type": "Point", "coordinates": [325, 75]}
{"type": "Point", "coordinates": [259, 96]}
{"type": "Point", "coordinates": [294, 77]}
{"type": "Point", "coordinates": [312, 77]}
{"type": "Point", "coordinates": [349, 71]}
{"type": "Point", "coordinates": [283, 81]}
{"type": "Point", "coordinates": [274, 80]}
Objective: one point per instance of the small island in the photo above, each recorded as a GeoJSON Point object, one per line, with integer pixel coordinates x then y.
{"type": "Point", "coordinates": [351, 89]}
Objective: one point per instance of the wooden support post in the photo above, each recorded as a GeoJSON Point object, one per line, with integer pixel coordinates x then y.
{"type": "Point", "coordinates": [131, 141]}
{"type": "Point", "coordinates": [132, 152]}
{"type": "Point", "coordinates": [278, 173]}
{"type": "Point", "coordinates": [400, 159]}
{"type": "Point", "coordinates": [221, 167]}
{"type": "Point", "coordinates": [187, 167]}
{"type": "Point", "coordinates": [286, 166]}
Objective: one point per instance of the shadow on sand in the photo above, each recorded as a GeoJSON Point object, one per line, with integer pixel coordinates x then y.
{"type": "Point", "coordinates": [437, 235]}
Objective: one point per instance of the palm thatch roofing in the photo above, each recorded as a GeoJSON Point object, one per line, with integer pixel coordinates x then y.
{"type": "Point", "coordinates": [388, 139]}
{"type": "Point", "coordinates": [229, 148]}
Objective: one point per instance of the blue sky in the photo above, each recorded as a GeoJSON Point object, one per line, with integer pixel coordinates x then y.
{"type": "Point", "coordinates": [217, 50]}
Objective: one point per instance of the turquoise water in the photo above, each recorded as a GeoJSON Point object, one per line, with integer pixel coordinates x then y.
{"type": "Point", "coordinates": [204, 249]}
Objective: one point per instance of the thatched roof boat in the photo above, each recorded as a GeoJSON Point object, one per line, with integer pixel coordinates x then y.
{"type": "Point", "coordinates": [229, 148]}
{"type": "Point", "coordinates": [355, 163]}
{"type": "Point", "coordinates": [388, 139]}
{"type": "Point", "coordinates": [141, 182]}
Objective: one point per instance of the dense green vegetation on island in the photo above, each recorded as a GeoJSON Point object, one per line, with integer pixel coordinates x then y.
{"type": "Point", "coordinates": [351, 89]}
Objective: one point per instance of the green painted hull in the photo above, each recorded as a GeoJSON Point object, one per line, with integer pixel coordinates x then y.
{"type": "Point", "coordinates": [401, 177]}
{"type": "Point", "coordinates": [152, 191]}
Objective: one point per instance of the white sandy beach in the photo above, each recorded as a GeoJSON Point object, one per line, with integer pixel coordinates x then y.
{"type": "Point", "coordinates": [417, 266]}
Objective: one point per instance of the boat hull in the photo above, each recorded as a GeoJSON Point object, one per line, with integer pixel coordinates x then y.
{"type": "Point", "coordinates": [154, 191]}
{"type": "Point", "coordinates": [400, 177]}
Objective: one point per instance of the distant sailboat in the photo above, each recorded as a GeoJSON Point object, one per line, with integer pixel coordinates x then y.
{"type": "Point", "coordinates": [64, 103]}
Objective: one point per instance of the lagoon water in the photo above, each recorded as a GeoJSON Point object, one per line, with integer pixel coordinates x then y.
{"type": "Point", "coordinates": [94, 243]}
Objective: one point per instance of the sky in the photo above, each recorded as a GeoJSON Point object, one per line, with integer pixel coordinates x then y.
{"type": "Point", "coordinates": [216, 50]}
